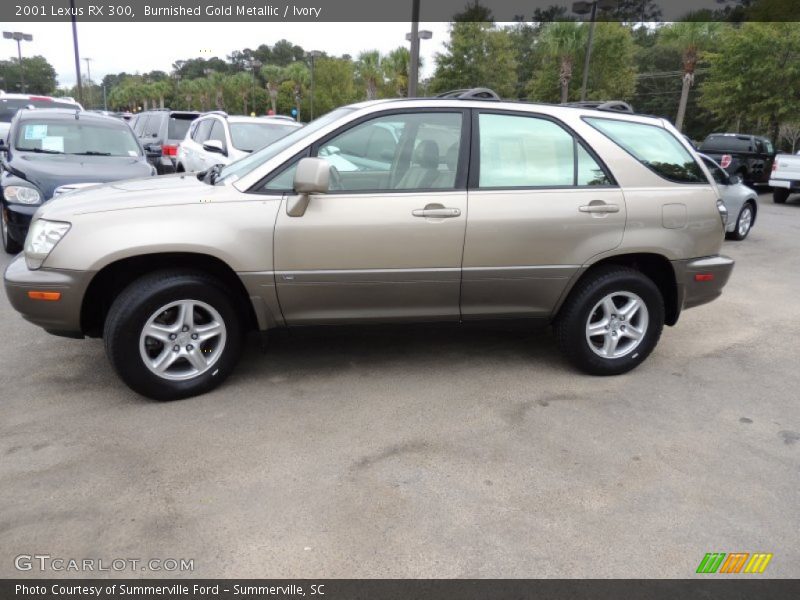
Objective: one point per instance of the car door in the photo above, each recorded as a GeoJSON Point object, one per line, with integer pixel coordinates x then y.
{"type": "Point", "coordinates": [216, 133]}
{"type": "Point", "coordinates": [386, 242]}
{"type": "Point", "coordinates": [194, 151]}
{"type": "Point", "coordinates": [541, 204]}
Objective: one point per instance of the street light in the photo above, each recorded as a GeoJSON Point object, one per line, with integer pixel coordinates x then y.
{"type": "Point", "coordinates": [313, 54]}
{"type": "Point", "coordinates": [583, 8]}
{"type": "Point", "coordinates": [414, 37]}
{"type": "Point", "coordinates": [19, 37]}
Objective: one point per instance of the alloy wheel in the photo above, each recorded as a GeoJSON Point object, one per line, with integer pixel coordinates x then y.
{"type": "Point", "coordinates": [617, 324]}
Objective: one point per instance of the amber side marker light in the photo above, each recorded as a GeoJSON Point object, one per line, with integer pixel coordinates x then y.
{"type": "Point", "coordinates": [704, 277]}
{"type": "Point", "coordinates": [33, 295]}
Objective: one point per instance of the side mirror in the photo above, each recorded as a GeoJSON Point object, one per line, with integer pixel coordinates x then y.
{"type": "Point", "coordinates": [311, 177]}
{"type": "Point", "coordinates": [214, 146]}
{"type": "Point", "coordinates": [734, 179]}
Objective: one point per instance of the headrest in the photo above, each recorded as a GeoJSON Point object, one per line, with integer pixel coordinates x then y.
{"type": "Point", "coordinates": [451, 157]}
{"type": "Point", "coordinates": [427, 154]}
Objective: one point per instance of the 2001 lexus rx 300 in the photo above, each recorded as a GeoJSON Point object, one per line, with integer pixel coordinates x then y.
{"type": "Point", "coordinates": [605, 224]}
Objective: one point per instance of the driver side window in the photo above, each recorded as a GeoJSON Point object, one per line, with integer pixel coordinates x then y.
{"type": "Point", "coordinates": [415, 151]}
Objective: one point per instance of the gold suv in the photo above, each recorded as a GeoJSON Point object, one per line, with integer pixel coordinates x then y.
{"type": "Point", "coordinates": [606, 225]}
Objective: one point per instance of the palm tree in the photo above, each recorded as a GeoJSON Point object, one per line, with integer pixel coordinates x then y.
{"type": "Point", "coordinates": [564, 40]}
{"type": "Point", "coordinates": [691, 38]}
{"type": "Point", "coordinates": [240, 85]}
{"type": "Point", "coordinates": [161, 89]}
{"type": "Point", "coordinates": [273, 75]}
{"type": "Point", "coordinates": [395, 70]}
{"type": "Point", "coordinates": [368, 70]}
{"type": "Point", "coordinates": [298, 74]}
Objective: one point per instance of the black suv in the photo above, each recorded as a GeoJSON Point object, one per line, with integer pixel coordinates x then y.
{"type": "Point", "coordinates": [748, 156]}
{"type": "Point", "coordinates": [160, 132]}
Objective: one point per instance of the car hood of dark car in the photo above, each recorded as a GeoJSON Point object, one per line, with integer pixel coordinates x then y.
{"type": "Point", "coordinates": [49, 171]}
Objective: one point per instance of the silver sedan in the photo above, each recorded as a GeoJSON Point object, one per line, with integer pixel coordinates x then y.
{"type": "Point", "coordinates": [741, 201]}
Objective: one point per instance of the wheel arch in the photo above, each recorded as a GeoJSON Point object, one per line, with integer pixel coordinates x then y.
{"type": "Point", "coordinates": [655, 266]}
{"type": "Point", "coordinates": [109, 281]}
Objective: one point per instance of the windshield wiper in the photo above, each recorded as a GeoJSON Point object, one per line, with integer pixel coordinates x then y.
{"type": "Point", "coordinates": [91, 153]}
{"type": "Point", "coordinates": [41, 150]}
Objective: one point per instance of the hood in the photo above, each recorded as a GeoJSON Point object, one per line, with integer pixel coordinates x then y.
{"type": "Point", "coordinates": [49, 171]}
{"type": "Point", "coordinates": [168, 190]}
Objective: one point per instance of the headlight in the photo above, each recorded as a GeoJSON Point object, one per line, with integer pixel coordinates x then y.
{"type": "Point", "coordinates": [43, 236]}
{"type": "Point", "coordinates": [723, 212]}
{"type": "Point", "coordinates": [22, 194]}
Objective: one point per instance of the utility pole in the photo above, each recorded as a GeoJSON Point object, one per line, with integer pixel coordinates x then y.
{"type": "Point", "coordinates": [75, 49]}
{"type": "Point", "coordinates": [313, 54]}
{"type": "Point", "coordinates": [89, 80]}
{"type": "Point", "coordinates": [413, 67]}
{"type": "Point", "coordinates": [19, 37]}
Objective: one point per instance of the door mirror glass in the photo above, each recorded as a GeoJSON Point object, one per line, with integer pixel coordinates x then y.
{"type": "Point", "coordinates": [213, 146]}
{"type": "Point", "coordinates": [734, 179]}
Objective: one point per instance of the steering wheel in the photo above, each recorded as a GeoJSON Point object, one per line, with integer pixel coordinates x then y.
{"type": "Point", "coordinates": [335, 181]}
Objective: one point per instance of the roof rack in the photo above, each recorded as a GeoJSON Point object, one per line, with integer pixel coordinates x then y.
{"type": "Point", "coordinates": [478, 93]}
{"type": "Point", "coordinates": [606, 105]}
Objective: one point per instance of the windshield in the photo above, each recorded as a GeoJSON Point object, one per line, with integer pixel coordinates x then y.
{"type": "Point", "coordinates": [243, 166]}
{"type": "Point", "coordinates": [10, 106]}
{"type": "Point", "coordinates": [252, 136]}
{"type": "Point", "coordinates": [73, 136]}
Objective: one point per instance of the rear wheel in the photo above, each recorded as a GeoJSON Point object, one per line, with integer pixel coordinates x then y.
{"type": "Point", "coordinates": [173, 334]}
{"type": "Point", "coordinates": [9, 245]}
{"type": "Point", "coordinates": [780, 195]}
{"type": "Point", "coordinates": [743, 223]}
{"type": "Point", "coordinates": [611, 321]}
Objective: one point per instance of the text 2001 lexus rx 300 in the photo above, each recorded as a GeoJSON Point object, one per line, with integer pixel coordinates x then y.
{"type": "Point", "coordinates": [605, 224]}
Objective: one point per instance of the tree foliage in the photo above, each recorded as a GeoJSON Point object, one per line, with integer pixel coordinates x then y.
{"type": "Point", "coordinates": [40, 76]}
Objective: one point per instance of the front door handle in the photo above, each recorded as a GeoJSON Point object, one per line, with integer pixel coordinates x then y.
{"type": "Point", "coordinates": [436, 211]}
{"type": "Point", "coordinates": [599, 208]}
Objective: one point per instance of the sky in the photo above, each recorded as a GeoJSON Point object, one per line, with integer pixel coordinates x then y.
{"type": "Point", "coordinates": [143, 47]}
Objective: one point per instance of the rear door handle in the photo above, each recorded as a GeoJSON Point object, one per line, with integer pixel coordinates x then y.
{"type": "Point", "coordinates": [437, 213]}
{"type": "Point", "coordinates": [599, 208]}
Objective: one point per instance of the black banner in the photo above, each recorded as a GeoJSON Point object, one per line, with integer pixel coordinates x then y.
{"type": "Point", "coordinates": [402, 589]}
{"type": "Point", "coordinates": [393, 10]}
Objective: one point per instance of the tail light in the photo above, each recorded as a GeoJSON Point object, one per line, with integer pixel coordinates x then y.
{"type": "Point", "coordinates": [169, 150]}
{"type": "Point", "coordinates": [726, 161]}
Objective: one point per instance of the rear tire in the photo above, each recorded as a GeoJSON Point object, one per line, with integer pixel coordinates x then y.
{"type": "Point", "coordinates": [9, 245]}
{"type": "Point", "coordinates": [780, 195]}
{"type": "Point", "coordinates": [173, 334]}
{"type": "Point", "coordinates": [601, 331]}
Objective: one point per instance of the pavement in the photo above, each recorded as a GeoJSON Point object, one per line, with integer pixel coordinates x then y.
{"type": "Point", "coordinates": [422, 451]}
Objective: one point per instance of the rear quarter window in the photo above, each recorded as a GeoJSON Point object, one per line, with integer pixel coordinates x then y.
{"type": "Point", "coordinates": [654, 147]}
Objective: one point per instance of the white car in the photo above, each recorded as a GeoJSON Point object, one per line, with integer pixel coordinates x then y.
{"type": "Point", "coordinates": [740, 200]}
{"type": "Point", "coordinates": [216, 138]}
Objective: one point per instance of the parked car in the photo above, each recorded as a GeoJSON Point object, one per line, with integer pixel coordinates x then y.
{"type": "Point", "coordinates": [11, 103]}
{"type": "Point", "coordinates": [160, 132]}
{"type": "Point", "coordinates": [215, 138]}
{"type": "Point", "coordinates": [55, 151]}
{"type": "Point", "coordinates": [740, 200]}
{"type": "Point", "coordinates": [606, 225]}
{"type": "Point", "coordinates": [785, 178]}
{"type": "Point", "coordinates": [748, 156]}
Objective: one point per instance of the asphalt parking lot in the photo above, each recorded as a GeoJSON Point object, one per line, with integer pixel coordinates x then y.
{"type": "Point", "coordinates": [424, 452]}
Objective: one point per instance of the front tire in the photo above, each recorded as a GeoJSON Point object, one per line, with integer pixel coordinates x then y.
{"type": "Point", "coordinates": [611, 321]}
{"type": "Point", "coordinates": [173, 334]}
{"type": "Point", "coordinates": [780, 195]}
{"type": "Point", "coordinates": [9, 245]}
{"type": "Point", "coordinates": [744, 222]}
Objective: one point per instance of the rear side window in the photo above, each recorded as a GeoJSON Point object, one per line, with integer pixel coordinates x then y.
{"type": "Point", "coordinates": [654, 147]}
{"type": "Point", "coordinates": [151, 128]}
{"type": "Point", "coordinates": [521, 151]}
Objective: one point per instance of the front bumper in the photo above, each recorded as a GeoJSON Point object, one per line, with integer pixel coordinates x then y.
{"type": "Point", "coordinates": [18, 218]}
{"type": "Point", "coordinates": [700, 280]}
{"type": "Point", "coordinates": [59, 317]}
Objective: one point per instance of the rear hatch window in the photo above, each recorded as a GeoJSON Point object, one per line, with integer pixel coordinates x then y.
{"type": "Point", "coordinates": [179, 125]}
{"type": "Point", "coordinates": [726, 143]}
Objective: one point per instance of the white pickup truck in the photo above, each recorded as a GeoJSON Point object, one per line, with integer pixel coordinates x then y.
{"type": "Point", "coordinates": [785, 178]}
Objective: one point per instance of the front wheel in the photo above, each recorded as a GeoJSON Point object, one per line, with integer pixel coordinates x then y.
{"type": "Point", "coordinates": [611, 321]}
{"type": "Point", "coordinates": [9, 245]}
{"type": "Point", "coordinates": [173, 334]}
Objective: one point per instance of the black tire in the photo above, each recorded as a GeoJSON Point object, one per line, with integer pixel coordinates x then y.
{"type": "Point", "coordinates": [780, 195]}
{"type": "Point", "coordinates": [735, 235]}
{"type": "Point", "coordinates": [9, 245]}
{"type": "Point", "coordinates": [137, 303]}
{"type": "Point", "coordinates": [570, 325]}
